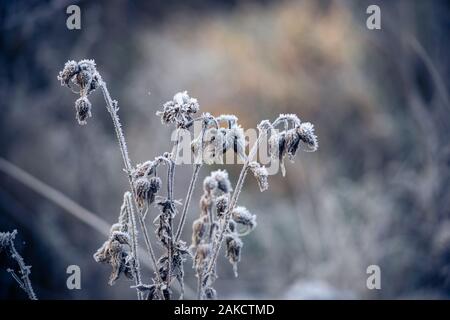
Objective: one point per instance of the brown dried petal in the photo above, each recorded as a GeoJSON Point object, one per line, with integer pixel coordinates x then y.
{"type": "Point", "coordinates": [233, 250]}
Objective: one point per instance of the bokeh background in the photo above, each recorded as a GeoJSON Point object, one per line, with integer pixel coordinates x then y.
{"type": "Point", "coordinates": [376, 192]}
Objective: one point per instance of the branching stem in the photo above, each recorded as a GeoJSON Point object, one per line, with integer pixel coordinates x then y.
{"type": "Point", "coordinates": [136, 263]}
{"type": "Point", "coordinates": [111, 106]}
{"type": "Point", "coordinates": [23, 280]}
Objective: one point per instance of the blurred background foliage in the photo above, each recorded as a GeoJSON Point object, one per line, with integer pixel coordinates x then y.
{"type": "Point", "coordinates": [376, 192]}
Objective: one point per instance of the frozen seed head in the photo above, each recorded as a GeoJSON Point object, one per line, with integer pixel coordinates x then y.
{"type": "Point", "coordinates": [202, 255]}
{"type": "Point", "coordinates": [70, 69]}
{"type": "Point", "coordinates": [289, 116]}
{"type": "Point", "coordinates": [199, 228]}
{"type": "Point", "coordinates": [167, 207]}
{"type": "Point", "coordinates": [287, 142]}
{"type": "Point", "coordinates": [121, 237]}
{"type": "Point", "coordinates": [143, 169]}
{"type": "Point", "coordinates": [83, 110]}
{"type": "Point", "coordinates": [235, 140]}
{"type": "Point", "coordinates": [142, 186]}
{"type": "Point", "coordinates": [83, 73]}
{"type": "Point", "coordinates": [223, 182]}
{"type": "Point", "coordinates": [196, 148]}
{"type": "Point", "coordinates": [277, 145]}
{"type": "Point", "coordinates": [277, 149]}
{"type": "Point", "coordinates": [233, 250]}
{"type": "Point", "coordinates": [190, 104]}
{"type": "Point", "coordinates": [222, 204]}
{"type": "Point", "coordinates": [243, 217]}
{"type": "Point", "coordinates": [146, 188]}
{"type": "Point", "coordinates": [261, 175]}
{"type": "Point", "coordinates": [179, 110]}
{"type": "Point", "coordinates": [209, 184]}
{"type": "Point", "coordinates": [307, 136]}
{"type": "Point", "coordinates": [214, 145]}
{"type": "Point", "coordinates": [155, 184]}
{"type": "Point", "coordinates": [292, 142]}
{"type": "Point", "coordinates": [116, 252]}
{"type": "Point", "coordinates": [205, 203]}
{"type": "Point", "coordinates": [87, 75]}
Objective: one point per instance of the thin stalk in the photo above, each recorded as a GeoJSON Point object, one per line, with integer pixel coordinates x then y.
{"type": "Point", "coordinates": [194, 177]}
{"type": "Point", "coordinates": [150, 249]}
{"type": "Point", "coordinates": [187, 201]}
{"type": "Point", "coordinates": [210, 217]}
{"type": "Point", "coordinates": [25, 284]}
{"type": "Point", "coordinates": [170, 180]}
{"type": "Point", "coordinates": [199, 286]}
{"type": "Point", "coordinates": [170, 184]}
{"type": "Point", "coordinates": [136, 264]}
{"type": "Point", "coordinates": [218, 243]}
{"type": "Point", "coordinates": [111, 106]}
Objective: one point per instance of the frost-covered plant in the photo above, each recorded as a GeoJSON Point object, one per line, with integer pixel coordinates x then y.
{"type": "Point", "coordinates": [22, 275]}
{"type": "Point", "coordinates": [220, 221]}
{"type": "Point", "coordinates": [120, 250]}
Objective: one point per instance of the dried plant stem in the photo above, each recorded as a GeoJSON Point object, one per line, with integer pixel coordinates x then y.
{"type": "Point", "coordinates": [199, 286]}
{"type": "Point", "coordinates": [24, 280]}
{"type": "Point", "coordinates": [136, 264]}
{"type": "Point", "coordinates": [111, 106]}
{"type": "Point", "coordinates": [150, 248]}
{"type": "Point", "coordinates": [171, 181]}
{"type": "Point", "coordinates": [188, 200]}
{"type": "Point", "coordinates": [191, 187]}
{"type": "Point", "coordinates": [171, 175]}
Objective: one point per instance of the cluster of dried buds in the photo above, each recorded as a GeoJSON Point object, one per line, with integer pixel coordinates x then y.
{"type": "Point", "coordinates": [146, 182]}
{"type": "Point", "coordinates": [294, 136]}
{"type": "Point", "coordinates": [146, 185]}
{"type": "Point", "coordinates": [83, 74]}
{"type": "Point", "coordinates": [214, 141]}
{"type": "Point", "coordinates": [117, 250]}
{"type": "Point", "coordinates": [179, 110]}
{"type": "Point", "coordinates": [220, 220]}
{"type": "Point", "coordinates": [214, 204]}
